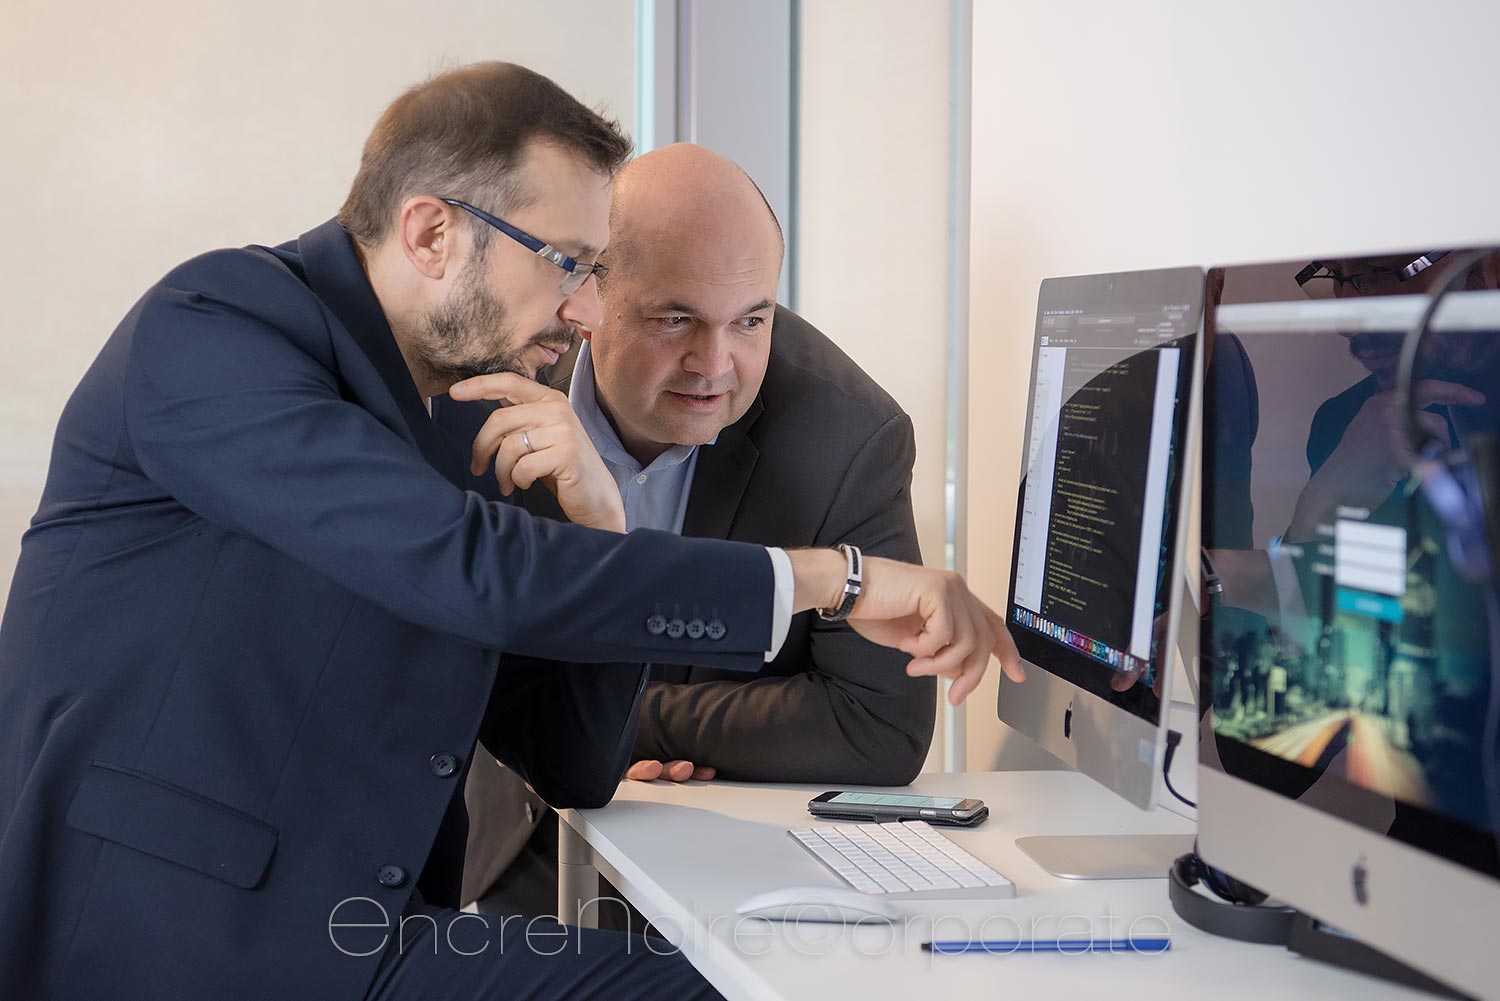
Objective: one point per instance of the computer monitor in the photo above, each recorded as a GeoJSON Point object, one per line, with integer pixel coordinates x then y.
{"type": "Point", "coordinates": [1096, 561]}
{"type": "Point", "coordinates": [1347, 761]}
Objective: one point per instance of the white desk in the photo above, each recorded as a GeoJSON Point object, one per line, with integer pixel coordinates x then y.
{"type": "Point", "coordinates": [687, 855]}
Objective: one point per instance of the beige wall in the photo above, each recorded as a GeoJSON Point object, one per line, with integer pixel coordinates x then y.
{"type": "Point", "coordinates": [872, 222]}
{"type": "Point", "coordinates": [1113, 136]}
{"type": "Point", "coordinates": [137, 135]}
{"type": "Point", "coordinates": [872, 264]}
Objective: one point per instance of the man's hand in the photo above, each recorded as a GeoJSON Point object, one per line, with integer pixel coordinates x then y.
{"type": "Point", "coordinates": [1374, 455]}
{"type": "Point", "coordinates": [927, 613]}
{"type": "Point", "coordinates": [1125, 680]}
{"type": "Point", "coordinates": [561, 455]}
{"type": "Point", "coordinates": [672, 771]}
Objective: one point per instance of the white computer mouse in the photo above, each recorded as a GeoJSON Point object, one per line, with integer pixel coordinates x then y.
{"type": "Point", "coordinates": [824, 904]}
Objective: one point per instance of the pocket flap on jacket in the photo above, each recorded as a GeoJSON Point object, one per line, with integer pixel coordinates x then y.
{"type": "Point", "coordinates": [165, 821]}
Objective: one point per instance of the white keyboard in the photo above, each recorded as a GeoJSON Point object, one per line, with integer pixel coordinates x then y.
{"type": "Point", "coordinates": [903, 861]}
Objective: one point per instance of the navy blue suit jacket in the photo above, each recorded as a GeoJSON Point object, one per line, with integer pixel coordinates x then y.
{"type": "Point", "coordinates": [258, 623]}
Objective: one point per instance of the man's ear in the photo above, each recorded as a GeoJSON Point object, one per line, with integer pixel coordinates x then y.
{"type": "Point", "coordinates": [428, 231]}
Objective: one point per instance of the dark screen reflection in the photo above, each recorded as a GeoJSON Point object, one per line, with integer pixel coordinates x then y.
{"type": "Point", "coordinates": [1347, 656]}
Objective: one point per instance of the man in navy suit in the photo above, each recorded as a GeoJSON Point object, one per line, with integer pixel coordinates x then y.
{"type": "Point", "coordinates": [264, 610]}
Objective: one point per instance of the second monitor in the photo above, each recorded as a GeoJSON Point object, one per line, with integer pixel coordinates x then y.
{"type": "Point", "coordinates": [1096, 561]}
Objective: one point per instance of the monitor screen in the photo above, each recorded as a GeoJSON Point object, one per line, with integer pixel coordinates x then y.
{"type": "Point", "coordinates": [1347, 657]}
{"type": "Point", "coordinates": [1097, 514]}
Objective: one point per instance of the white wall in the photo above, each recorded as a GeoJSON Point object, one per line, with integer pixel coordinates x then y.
{"type": "Point", "coordinates": [1111, 136]}
{"type": "Point", "coordinates": [137, 135]}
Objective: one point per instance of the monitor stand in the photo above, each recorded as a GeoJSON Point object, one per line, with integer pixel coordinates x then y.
{"type": "Point", "coordinates": [1106, 856]}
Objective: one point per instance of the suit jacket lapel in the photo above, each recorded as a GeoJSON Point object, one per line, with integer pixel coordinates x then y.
{"type": "Point", "coordinates": [540, 502]}
{"type": "Point", "coordinates": [459, 424]}
{"type": "Point", "coordinates": [338, 279]}
{"type": "Point", "coordinates": [719, 482]}
{"type": "Point", "coordinates": [720, 478]}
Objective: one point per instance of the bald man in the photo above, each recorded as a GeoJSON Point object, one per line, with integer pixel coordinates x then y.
{"type": "Point", "coordinates": [722, 415]}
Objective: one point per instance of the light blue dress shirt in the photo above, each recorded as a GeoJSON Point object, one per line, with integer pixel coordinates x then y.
{"type": "Point", "coordinates": [656, 495]}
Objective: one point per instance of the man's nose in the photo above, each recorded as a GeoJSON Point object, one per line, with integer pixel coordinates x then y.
{"type": "Point", "coordinates": [582, 309]}
{"type": "Point", "coordinates": [708, 355]}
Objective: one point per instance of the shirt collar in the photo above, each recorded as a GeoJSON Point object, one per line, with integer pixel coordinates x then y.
{"type": "Point", "coordinates": [583, 396]}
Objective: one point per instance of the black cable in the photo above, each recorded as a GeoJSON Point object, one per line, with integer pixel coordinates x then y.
{"type": "Point", "coordinates": [1429, 451]}
{"type": "Point", "coordinates": [1411, 346]}
{"type": "Point", "coordinates": [1173, 739]}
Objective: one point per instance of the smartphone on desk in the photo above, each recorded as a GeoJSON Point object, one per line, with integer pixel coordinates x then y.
{"type": "Point", "coordinates": [951, 811]}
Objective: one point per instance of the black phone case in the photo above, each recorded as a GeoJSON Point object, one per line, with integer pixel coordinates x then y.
{"type": "Point", "coordinates": [978, 818]}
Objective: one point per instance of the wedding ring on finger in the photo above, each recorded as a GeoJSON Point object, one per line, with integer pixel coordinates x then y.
{"type": "Point", "coordinates": [526, 440]}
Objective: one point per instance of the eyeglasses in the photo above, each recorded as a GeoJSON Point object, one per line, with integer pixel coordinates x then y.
{"type": "Point", "coordinates": [577, 271]}
{"type": "Point", "coordinates": [1321, 281]}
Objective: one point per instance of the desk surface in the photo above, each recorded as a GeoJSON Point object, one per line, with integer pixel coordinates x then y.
{"type": "Point", "coordinates": [687, 855]}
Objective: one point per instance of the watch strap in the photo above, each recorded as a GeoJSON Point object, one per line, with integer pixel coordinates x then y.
{"type": "Point", "coordinates": [853, 582]}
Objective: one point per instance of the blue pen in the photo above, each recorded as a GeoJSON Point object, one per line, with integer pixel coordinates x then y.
{"type": "Point", "coordinates": [1147, 946]}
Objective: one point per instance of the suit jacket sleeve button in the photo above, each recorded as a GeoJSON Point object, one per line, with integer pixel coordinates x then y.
{"type": "Point", "coordinates": [676, 628]}
{"type": "Point", "coordinates": [656, 624]}
{"type": "Point", "coordinates": [443, 764]}
{"type": "Point", "coordinates": [391, 875]}
{"type": "Point", "coordinates": [695, 628]}
{"type": "Point", "coordinates": [715, 629]}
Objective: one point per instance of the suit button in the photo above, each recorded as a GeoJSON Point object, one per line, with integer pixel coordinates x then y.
{"type": "Point", "coordinates": [443, 764]}
{"type": "Point", "coordinates": [715, 629]}
{"type": "Point", "coordinates": [676, 628]}
{"type": "Point", "coordinates": [530, 814]}
{"type": "Point", "coordinates": [391, 875]}
{"type": "Point", "coordinates": [656, 624]}
{"type": "Point", "coordinates": [695, 629]}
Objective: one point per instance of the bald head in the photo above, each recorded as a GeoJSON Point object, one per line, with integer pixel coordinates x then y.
{"type": "Point", "coordinates": [683, 188]}
{"type": "Point", "coordinates": [694, 260]}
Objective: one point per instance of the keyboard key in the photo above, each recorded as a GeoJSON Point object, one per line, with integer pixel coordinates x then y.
{"type": "Point", "coordinates": [903, 861]}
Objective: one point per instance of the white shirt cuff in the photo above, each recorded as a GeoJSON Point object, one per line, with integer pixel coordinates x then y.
{"type": "Point", "coordinates": [786, 593]}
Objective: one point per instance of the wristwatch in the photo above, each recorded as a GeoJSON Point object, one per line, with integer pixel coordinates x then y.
{"type": "Point", "coordinates": [852, 583]}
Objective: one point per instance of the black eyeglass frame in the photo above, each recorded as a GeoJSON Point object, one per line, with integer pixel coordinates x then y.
{"type": "Point", "coordinates": [1363, 281]}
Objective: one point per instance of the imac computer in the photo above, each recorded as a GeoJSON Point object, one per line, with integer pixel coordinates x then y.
{"type": "Point", "coordinates": [1347, 761]}
{"type": "Point", "coordinates": [1097, 556]}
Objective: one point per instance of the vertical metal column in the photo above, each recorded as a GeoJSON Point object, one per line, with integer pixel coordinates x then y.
{"type": "Point", "coordinates": [577, 879]}
{"type": "Point", "coordinates": [960, 80]}
{"type": "Point", "coordinates": [690, 89]}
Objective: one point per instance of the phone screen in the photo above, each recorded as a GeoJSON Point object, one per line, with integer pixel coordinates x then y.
{"type": "Point", "coordinates": [890, 799]}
